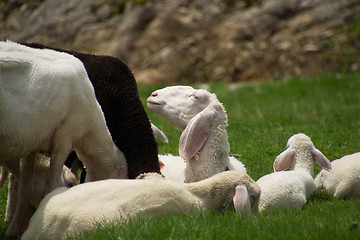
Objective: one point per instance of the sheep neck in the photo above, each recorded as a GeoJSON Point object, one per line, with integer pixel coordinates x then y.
{"type": "Point", "coordinates": [213, 157]}
{"type": "Point", "coordinates": [303, 161]}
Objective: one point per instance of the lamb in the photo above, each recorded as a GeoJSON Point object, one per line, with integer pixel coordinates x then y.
{"type": "Point", "coordinates": [116, 91]}
{"type": "Point", "coordinates": [292, 188]}
{"type": "Point", "coordinates": [71, 211]}
{"type": "Point", "coordinates": [344, 179]}
{"type": "Point", "coordinates": [204, 141]}
{"type": "Point", "coordinates": [47, 104]}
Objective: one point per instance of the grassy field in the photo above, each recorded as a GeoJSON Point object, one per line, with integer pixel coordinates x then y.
{"type": "Point", "coordinates": [262, 116]}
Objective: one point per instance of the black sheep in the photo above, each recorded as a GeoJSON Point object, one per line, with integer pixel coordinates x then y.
{"type": "Point", "coordinates": [117, 93]}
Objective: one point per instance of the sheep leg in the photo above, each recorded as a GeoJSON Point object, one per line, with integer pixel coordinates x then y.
{"type": "Point", "coordinates": [57, 160]}
{"type": "Point", "coordinates": [3, 176]}
{"type": "Point", "coordinates": [27, 169]}
{"type": "Point", "coordinates": [12, 197]}
{"type": "Point", "coordinates": [113, 165]}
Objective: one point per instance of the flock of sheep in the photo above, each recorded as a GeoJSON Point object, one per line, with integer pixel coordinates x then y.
{"type": "Point", "coordinates": [53, 102]}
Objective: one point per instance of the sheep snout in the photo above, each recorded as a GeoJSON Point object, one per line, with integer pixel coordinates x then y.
{"type": "Point", "coordinates": [154, 101]}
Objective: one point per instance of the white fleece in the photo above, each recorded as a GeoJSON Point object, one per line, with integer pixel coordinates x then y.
{"type": "Point", "coordinates": [292, 188]}
{"type": "Point", "coordinates": [71, 211]}
{"type": "Point", "coordinates": [344, 179]}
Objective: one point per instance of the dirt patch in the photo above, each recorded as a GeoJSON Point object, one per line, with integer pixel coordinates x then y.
{"type": "Point", "coordinates": [176, 41]}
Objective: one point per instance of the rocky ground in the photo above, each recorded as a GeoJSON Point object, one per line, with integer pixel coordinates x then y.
{"type": "Point", "coordinates": [175, 41]}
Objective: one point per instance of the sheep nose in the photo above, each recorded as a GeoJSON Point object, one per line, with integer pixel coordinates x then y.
{"type": "Point", "coordinates": [154, 94]}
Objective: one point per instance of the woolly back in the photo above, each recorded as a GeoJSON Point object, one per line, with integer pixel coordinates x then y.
{"type": "Point", "coordinates": [11, 51]}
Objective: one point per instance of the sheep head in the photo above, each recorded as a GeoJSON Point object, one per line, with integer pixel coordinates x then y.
{"type": "Point", "coordinates": [232, 189]}
{"type": "Point", "coordinates": [299, 149]}
{"type": "Point", "coordinates": [197, 131]}
{"type": "Point", "coordinates": [179, 104]}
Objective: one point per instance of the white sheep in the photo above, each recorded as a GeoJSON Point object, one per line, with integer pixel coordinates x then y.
{"type": "Point", "coordinates": [292, 188]}
{"type": "Point", "coordinates": [204, 141]}
{"type": "Point", "coordinates": [47, 104]}
{"type": "Point", "coordinates": [71, 211]}
{"type": "Point", "coordinates": [344, 179]}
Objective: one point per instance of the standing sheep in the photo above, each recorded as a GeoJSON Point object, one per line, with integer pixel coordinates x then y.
{"type": "Point", "coordinates": [204, 141]}
{"type": "Point", "coordinates": [292, 188]}
{"type": "Point", "coordinates": [344, 179]}
{"type": "Point", "coordinates": [47, 104]}
{"type": "Point", "coordinates": [71, 211]}
{"type": "Point", "coordinates": [116, 91]}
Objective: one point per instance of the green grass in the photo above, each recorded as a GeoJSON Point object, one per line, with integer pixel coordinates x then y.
{"type": "Point", "coordinates": [262, 117]}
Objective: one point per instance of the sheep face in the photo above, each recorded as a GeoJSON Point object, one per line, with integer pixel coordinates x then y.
{"type": "Point", "coordinates": [179, 104]}
{"type": "Point", "coordinates": [228, 189]}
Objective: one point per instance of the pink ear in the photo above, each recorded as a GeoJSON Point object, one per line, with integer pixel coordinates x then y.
{"type": "Point", "coordinates": [241, 199]}
{"type": "Point", "coordinates": [196, 132]}
{"type": "Point", "coordinates": [321, 160]}
{"type": "Point", "coordinates": [283, 160]}
{"type": "Point", "coordinates": [161, 164]}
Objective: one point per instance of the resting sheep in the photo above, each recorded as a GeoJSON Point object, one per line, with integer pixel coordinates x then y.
{"type": "Point", "coordinates": [292, 188]}
{"type": "Point", "coordinates": [344, 179]}
{"type": "Point", "coordinates": [116, 91]}
{"type": "Point", "coordinates": [204, 141]}
{"type": "Point", "coordinates": [71, 211]}
{"type": "Point", "coordinates": [47, 104]}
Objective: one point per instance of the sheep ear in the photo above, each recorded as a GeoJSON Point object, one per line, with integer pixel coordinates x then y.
{"type": "Point", "coordinates": [69, 178]}
{"type": "Point", "coordinates": [196, 132]}
{"type": "Point", "coordinates": [241, 199]}
{"type": "Point", "coordinates": [159, 134]}
{"type": "Point", "coordinates": [321, 160]}
{"type": "Point", "coordinates": [161, 164]}
{"type": "Point", "coordinates": [283, 160]}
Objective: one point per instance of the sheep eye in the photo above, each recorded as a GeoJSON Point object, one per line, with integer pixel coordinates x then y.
{"type": "Point", "coordinates": [194, 96]}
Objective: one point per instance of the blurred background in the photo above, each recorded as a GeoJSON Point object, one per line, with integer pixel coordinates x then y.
{"type": "Point", "coordinates": [192, 41]}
